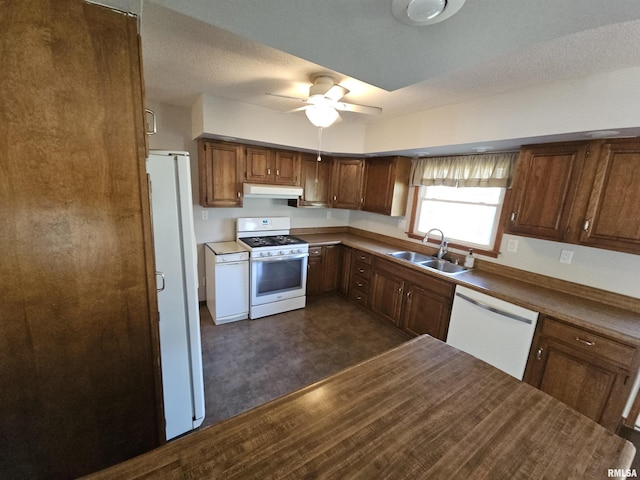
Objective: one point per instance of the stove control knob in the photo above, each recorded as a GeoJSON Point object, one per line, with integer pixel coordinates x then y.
{"type": "Point", "coordinates": [262, 254]}
{"type": "Point", "coordinates": [281, 252]}
{"type": "Point", "coordinates": [299, 250]}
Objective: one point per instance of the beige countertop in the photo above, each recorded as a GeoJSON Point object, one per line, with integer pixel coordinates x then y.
{"type": "Point", "coordinates": [421, 410]}
{"type": "Point", "coordinates": [617, 323]}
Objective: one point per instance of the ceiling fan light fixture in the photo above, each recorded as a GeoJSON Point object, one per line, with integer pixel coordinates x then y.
{"type": "Point", "coordinates": [322, 116]}
{"type": "Point", "coordinates": [424, 12]}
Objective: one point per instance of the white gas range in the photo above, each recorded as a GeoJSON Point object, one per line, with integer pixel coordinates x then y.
{"type": "Point", "coordinates": [278, 265]}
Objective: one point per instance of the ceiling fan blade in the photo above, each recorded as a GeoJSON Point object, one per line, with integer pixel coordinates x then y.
{"type": "Point", "coordinates": [336, 92]}
{"type": "Point", "coordinates": [286, 96]}
{"type": "Point", "coordinates": [354, 107]}
{"type": "Point", "coordinates": [299, 109]}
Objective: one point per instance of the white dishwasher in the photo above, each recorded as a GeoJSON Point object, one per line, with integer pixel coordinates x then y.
{"type": "Point", "coordinates": [492, 330]}
{"type": "Point", "coordinates": [227, 281]}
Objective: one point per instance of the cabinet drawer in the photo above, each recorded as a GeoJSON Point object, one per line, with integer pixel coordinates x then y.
{"type": "Point", "coordinates": [361, 269]}
{"type": "Point", "coordinates": [588, 342]}
{"type": "Point", "coordinates": [360, 298]}
{"type": "Point", "coordinates": [362, 257]}
{"type": "Point", "coordinates": [359, 284]}
{"type": "Point", "coordinates": [315, 251]}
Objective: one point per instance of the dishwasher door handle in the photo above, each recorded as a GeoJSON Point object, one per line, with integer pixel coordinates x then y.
{"type": "Point", "coordinates": [513, 316]}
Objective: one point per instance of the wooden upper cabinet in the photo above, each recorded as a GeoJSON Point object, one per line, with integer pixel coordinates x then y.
{"type": "Point", "coordinates": [221, 171]}
{"type": "Point", "coordinates": [386, 185]}
{"type": "Point", "coordinates": [612, 218]}
{"type": "Point", "coordinates": [346, 183]}
{"type": "Point", "coordinates": [258, 165]}
{"type": "Point", "coordinates": [265, 165]}
{"type": "Point", "coordinates": [315, 178]}
{"type": "Point", "coordinates": [544, 190]}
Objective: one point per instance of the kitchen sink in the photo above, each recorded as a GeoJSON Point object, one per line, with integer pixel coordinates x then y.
{"type": "Point", "coordinates": [412, 257]}
{"type": "Point", "coordinates": [443, 266]}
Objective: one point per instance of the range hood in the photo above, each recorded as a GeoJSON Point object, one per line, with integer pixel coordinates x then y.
{"type": "Point", "coordinates": [259, 190]}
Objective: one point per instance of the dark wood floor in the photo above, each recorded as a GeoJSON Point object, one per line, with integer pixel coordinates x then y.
{"type": "Point", "coordinates": [250, 362]}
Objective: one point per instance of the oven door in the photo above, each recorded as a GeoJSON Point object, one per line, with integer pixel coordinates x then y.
{"type": "Point", "coordinates": [279, 278]}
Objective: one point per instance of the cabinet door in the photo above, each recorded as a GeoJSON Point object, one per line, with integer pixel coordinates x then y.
{"type": "Point", "coordinates": [378, 185]}
{"type": "Point", "coordinates": [585, 384]}
{"type": "Point", "coordinates": [315, 181]}
{"type": "Point", "coordinates": [426, 313]}
{"type": "Point", "coordinates": [220, 168]}
{"type": "Point", "coordinates": [544, 190]}
{"type": "Point", "coordinates": [345, 272]}
{"type": "Point", "coordinates": [314, 273]}
{"type": "Point", "coordinates": [387, 295]}
{"type": "Point", "coordinates": [78, 324]}
{"type": "Point", "coordinates": [346, 183]}
{"type": "Point", "coordinates": [331, 268]}
{"type": "Point", "coordinates": [287, 167]}
{"type": "Point", "coordinates": [258, 165]}
{"type": "Point", "coordinates": [612, 220]}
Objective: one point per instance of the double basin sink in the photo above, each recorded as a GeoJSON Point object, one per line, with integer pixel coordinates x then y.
{"type": "Point", "coordinates": [442, 266]}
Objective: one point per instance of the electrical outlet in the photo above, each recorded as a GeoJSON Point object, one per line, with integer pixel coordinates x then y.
{"type": "Point", "coordinates": [566, 256]}
{"type": "Point", "coordinates": [402, 223]}
{"type": "Point", "coordinates": [328, 213]}
{"type": "Point", "coordinates": [205, 215]}
{"type": "Point", "coordinates": [512, 246]}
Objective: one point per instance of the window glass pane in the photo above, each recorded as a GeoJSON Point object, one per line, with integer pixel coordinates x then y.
{"type": "Point", "coordinates": [467, 216]}
{"type": "Point", "coordinates": [468, 223]}
{"type": "Point", "coordinates": [467, 194]}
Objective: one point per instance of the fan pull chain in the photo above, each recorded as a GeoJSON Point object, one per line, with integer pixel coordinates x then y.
{"type": "Point", "coordinates": [319, 159]}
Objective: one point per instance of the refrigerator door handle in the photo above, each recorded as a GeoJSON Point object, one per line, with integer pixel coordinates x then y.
{"type": "Point", "coordinates": [161, 275]}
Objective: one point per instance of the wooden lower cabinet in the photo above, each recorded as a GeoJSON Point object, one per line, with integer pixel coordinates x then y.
{"type": "Point", "coordinates": [344, 273]}
{"type": "Point", "coordinates": [417, 303]}
{"type": "Point", "coordinates": [426, 313]}
{"type": "Point", "coordinates": [587, 371]}
{"type": "Point", "coordinates": [323, 269]}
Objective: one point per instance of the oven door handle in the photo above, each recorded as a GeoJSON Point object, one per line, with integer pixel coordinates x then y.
{"type": "Point", "coordinates": [280, 259]}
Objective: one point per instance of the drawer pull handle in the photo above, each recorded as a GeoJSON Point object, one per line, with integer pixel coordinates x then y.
{"type": "Point", "coordinates": [358, 297]}
{"type": "Point", "coordinates": [361, 270]}
{"type": "Point", "coordinates": [586, 342]}
{"type": "Point", "coordinates": [362, 257]}
{"type": "Point", "coordinates": [359, 284]}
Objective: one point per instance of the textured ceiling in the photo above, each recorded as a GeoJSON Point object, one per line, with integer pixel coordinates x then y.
{"type": "Point", "coordinates": [242, 49]}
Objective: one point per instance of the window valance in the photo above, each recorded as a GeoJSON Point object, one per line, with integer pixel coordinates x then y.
{"type": "Point", "coordinates": [485, 170]}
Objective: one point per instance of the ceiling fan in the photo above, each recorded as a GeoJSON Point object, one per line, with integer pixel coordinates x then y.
{"type": "Point", "coordinates": [323, 102]}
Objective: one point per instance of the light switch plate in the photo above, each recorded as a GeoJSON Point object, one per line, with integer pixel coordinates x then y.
{"type": "Point", "coordinates": [205, 215]}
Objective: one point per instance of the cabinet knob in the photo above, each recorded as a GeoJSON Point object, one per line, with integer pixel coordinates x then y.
{"type": "Point", "coordinates": [238, 194]}
{"type": "Point", "coordinates": [400, 291]}
{"type": "Point", "coordinates": [409, 294]}
{"type": "Point", "coordinates": [513, 216]}
{"type": "Point", "coordinates": [587, 224]}
{"type": "Point", "coordinates": [268, 171]}
{"type": "Point", "coordinates": [361, 270]}
{"type": "Point", "coordinates": [277, 172]}
{"type": "Point", "coordinates": [359, 284]}
{"type": "Point", "coordinates": [335, 198]}
{"type": "Point", "coordinates": [539, 354]}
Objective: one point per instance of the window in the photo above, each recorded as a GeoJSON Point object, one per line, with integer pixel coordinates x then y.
{"type": "Point", "coordinates": [468, 216]}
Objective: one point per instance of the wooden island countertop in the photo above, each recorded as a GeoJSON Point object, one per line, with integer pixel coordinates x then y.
{"type": "Point", "coordinates": [423, 410]}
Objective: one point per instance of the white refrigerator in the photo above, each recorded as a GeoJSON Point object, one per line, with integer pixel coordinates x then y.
{"type": "Point", "coordinates": [177, 284]}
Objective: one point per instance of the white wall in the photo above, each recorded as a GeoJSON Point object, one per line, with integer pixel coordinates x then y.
{"type": "Point", "coordinates": [613, 271]}
{"type": "Point", "coordinates": [598, 102]}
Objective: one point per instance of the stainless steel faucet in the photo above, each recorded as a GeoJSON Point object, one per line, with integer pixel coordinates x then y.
{"type": "Point", "coordinates": [442, 251]}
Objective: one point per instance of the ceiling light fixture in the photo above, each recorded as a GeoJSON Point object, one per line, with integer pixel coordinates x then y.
{"type": "Point", "coordinates": [424, 12]}
{"type": "Point", "coordinates": [322, 116]}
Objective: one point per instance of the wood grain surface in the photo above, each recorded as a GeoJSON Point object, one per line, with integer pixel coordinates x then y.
{"type": "Point", "coordinates": [422, 410]}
